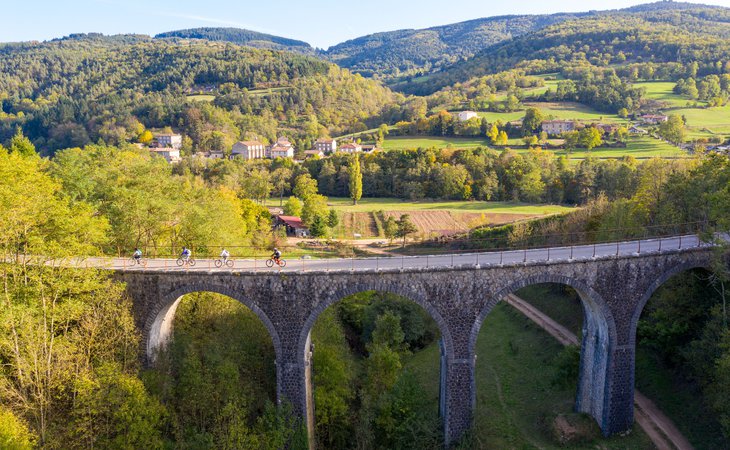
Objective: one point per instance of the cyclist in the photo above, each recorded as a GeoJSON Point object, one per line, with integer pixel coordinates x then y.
{"type": "Point", "coordinates": [276, 256]}
{"type": "Point", "coordinates": [186, 254]}
{"type": "Point", "coordinates": [225, 255]}
{"type": "Point", "coordinates": [137, 255]}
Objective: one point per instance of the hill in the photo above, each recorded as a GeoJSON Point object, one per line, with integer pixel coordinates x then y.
{"type": "Point", "coordinates": [402, 52]}
{"type": "Point", "coordinates": [240, 36]}
{"type": "Point", "coordinates": [72, 92]}
{"type": "Point", "coordinates": [664, 32]}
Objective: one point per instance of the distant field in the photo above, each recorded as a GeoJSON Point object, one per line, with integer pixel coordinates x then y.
{"type": "Point", "coordinates": [715, 120]}
{"type": "Point", "coordinates": [558, 110]}
{"type": "Point", "coordinates": [269, 91]}
{"type": "Point", "coordinates": [201, 98]}
{"type": "Point", "coordinates": [638, 147]}
{"type": "Point", "coordinates": [407, 142]}
{"type": "Point", "coordinates": [394, 204]}
{"type": "Point", "coordinates": [663, 91]}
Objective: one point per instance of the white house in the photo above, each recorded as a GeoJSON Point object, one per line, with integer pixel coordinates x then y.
{"type": "Point", "coordinates": [248, 150]}
{"type": "Point", "coordinates": [281, 149]}
{"type": "Point", "coordinates": [169, 140]}
{"type": "Point", "coordinates": [466, 115]}
{"type": "Point", "coordinates": [351, 147]}
{"type": "Point", "coordinates": [171, 155]}
{"type": "Point", "coordinates": [556, 127]}
{"type": "Point", "coordinates": [325, 145]}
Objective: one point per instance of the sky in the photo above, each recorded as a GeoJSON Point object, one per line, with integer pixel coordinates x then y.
{"type": "Point", "coordinates": [321, 23]}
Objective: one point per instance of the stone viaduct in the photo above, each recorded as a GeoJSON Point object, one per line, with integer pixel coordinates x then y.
{"type": "Point", "coordinates": [613, 290]}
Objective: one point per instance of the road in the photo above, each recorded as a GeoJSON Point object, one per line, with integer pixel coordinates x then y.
{"type": "Point", "coordinates": [471, 259]}
{"type": "Point", "coordinates": [660, 428]}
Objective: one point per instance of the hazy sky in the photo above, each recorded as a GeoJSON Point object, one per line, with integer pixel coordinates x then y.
{"type": "Point", "coordinates": [322, 23]}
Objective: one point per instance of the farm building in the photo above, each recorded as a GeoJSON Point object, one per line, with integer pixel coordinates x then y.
{"type": "Point", "coordinates": [292, 224]}
{"type": "Point", "coordinates": [466, 115]}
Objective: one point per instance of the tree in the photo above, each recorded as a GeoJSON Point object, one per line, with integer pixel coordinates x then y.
{"type": "Point", "coordinates": [315, 206]}
{"type": "Point", "coordinates": [305, 186]}
{"type": "Point", "coordinates": [405, 227]}
{"type": "Point", "coordinates": [355, 179]}
{"type": "Point", "coordinates": [390, 228]}
{"type": "Point", "coordinates": [502, 139]}
{"type": "Point", "coordinates": [590, 137]}
{"type": "Point", "coordinates": [318, 226]}
{"type": "Point", "coordinates": [673, 129]}
{"type": "Point", "coordinates": [145, 137]}
{"type": "Point", "coordinates": [21, 145]}
{"type": "Point", "coordinates": [493, 133]}
{"type": "Point", "coordinates": [332, 219]}
{"type": "Point", "coordinates": [532, 121]}
{"type": "Point", "coordinates": [14, 434]}
{"type": "Point", "coordinates": [382, 132]}
{"type": "Point", "coordinates": [531, 140]}
{"type": "Point", "coordinates": [280, 179]}
{"type": "Point", "coordinates": [572, 139]}
{"type": "Point", "coordinates": [293, 207]}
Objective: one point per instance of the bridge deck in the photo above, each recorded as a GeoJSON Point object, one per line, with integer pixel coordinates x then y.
{"type": "Point", "coordinates": [486, 258]}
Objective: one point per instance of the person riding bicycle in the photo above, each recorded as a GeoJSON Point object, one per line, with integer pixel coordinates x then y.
{"type": "Point", "coordinates": [225, 255]}
{"type": "Point", "coordinates": [185, 253]}
{"type": "Point", "coordinates": [276, 256]}
{"type": "Point", "coordinates": [137, 255]}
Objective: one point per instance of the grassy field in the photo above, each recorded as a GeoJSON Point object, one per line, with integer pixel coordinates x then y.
{"type": "Point", "coordinates": [516, 396]}
{"type": "Point", "coordinates": [639, 147]}
{"type": "Point", "coordinates": [663, 91]}
{"type": "Point", "coordinates": [394, 204]}
{"type": "Point", "coordinates": [201, 98]}
{"type": "Point", "coordinates": [561, 110]}
{"type": "Point", "coordinates": [706, 122]}
{"type": "Point", "coordinates": [408, 142]}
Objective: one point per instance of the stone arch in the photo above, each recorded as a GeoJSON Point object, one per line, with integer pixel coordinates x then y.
{"type": "Point", "coordinates": [585, 292]}
{"type": "Point", "coordinates": [158, 325]}
{"type": "Point", "coordinates": [392, 288]}
{"type": "Point", "coordinates": [353, 288]}
{"type": "Point", "coordinates": [659, 281]}
{"type": "Point", "coordinates": [599, 337]}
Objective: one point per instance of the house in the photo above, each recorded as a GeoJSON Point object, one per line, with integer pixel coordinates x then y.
{"type": "Point", "coordinates": [557, 127]}
{"type": "Point", "coordinates": [368, 148]}
{"type": "Point", "coordinates": [171, 155]}
{"type": "Point", "coordinates": [466, 115]}
{"type": "Point", "coordinates": [637, 130]}
{"type": "Point", "coordinates": [313, 153]}
{"type": "Point", "coordinates": [169, 140]}
{"type": "Point", "coordinates": [351, 147]}
{"type": "Point", "coordinates": [248, 150]}
{"type": "Point", "coordinates": [292, 224]}
{"type": "Point", "coordinates": [281, 149]}
{"type": "Point", "coordinates": [653, 119]}
{"type": "Point", "coordinates": [325, 145]}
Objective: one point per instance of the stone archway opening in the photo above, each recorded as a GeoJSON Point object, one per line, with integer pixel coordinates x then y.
{"type": "Point", "coordinates": [531, 389]}
{"type": "Point", "coordinates": [215, 368]}
{"type": "Point", "coordinates": [679, 340]}
{"type": "Point", "coordinates": [375, 380]}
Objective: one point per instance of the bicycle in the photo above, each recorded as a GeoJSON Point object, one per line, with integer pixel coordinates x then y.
{"type": "Point", "coordinates": [188, 261]}
{"type": "Point", "coordinates": [280, 262]}
{"type": "Point", "coordinates": [141, 261]}
{"type": "Point", "coordinates": [227, 262]}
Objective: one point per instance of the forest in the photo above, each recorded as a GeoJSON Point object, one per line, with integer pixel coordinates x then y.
{"type": "Point", "coordinates": [87, 89]}
{"type": "Point", "coordinates": [660, 38]}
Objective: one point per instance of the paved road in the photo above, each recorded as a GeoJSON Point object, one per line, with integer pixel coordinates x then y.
{"type": "Point", "coordinates": [661, 430]}
{"type": "Point", "coordinates": [578, 252]}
